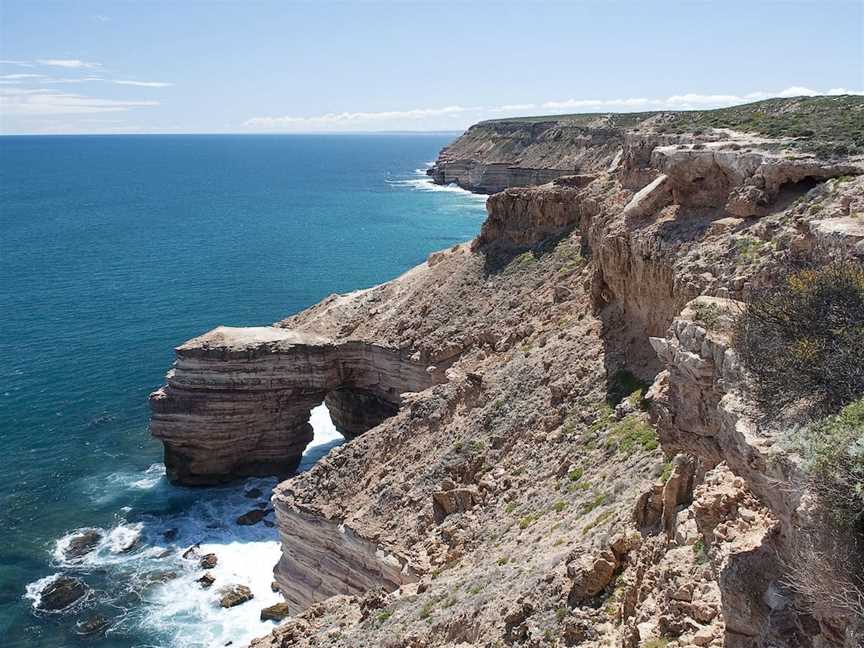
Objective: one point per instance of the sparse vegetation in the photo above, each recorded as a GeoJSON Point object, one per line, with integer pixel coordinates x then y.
{"type": "Point", "coordinates": [803, 340]}
{"type": "Point", "coordinates": [833, 458]}
{"type": "Point", "coordinates": [708, 314]}
{"type": "Point", "coordinates": [749, 248]}
{"type": "Point", "coordinates": [657, 643]}
{"type": "Point", "coordinates": [529, 520]}
{"type": "Point", "coordinates": [600, 519]}
{"type": "Point", "coordinates": [632, 433]}
{"type": "Point", "coordinates": [523, 261]}
{"type": "Point", "coordinates": [824, 125]}
{"type": "Point", "coordinates": [593, 503]}
{"type": "Point", "coordinates": [700, 551]}
{"type": "Point", "coordinates": [576, 474]}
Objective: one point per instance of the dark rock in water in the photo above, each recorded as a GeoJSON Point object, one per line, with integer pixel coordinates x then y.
{"type": "Point", "coordinates": [169, 534]}
{"type": "Point", "coordinates": [274, 586]}
{"type": "Point", "coordinates": [206, 580]}
{"type": "Point", "coordinates": [252, 517]}
{"type": "Point", "coordinates": [61, 593]}
{"type": "Point", "coordinates": [159, 577]}
{"type": "Point", "coordinates": [275, 612]}
{"type": "Point", "coordinates": [253, 493]}
{"type": "Point", "coordinates": [83, 543]}
{"type": "Point", "coordinates": [234, 595]}
{"type": "Point", "coordinates": [269, 524]}
{"type": "Point", "coordinates": [164, 553]}
{"type": "Point", "coordinates": [192, 552]}
{"type": "Point", "coordinates": [91, 625]}
{"type": "Point", "coordinates": [208, 561]}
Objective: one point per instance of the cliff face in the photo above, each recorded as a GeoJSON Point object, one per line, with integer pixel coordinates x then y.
{"type": "Point", "coordinates": [493, 156]}
{"type": "Point", "coordinates": [572, 459]}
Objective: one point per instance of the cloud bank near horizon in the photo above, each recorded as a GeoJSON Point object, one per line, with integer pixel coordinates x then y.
{"type": "Point", "coordinates": [462, 115]}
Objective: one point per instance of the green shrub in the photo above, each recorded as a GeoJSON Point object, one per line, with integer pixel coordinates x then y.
{"type": "Point", "coordinates": [575, 474]}
{"type": "Point", "coordinates": [803, 341]}
{"type": "Point", "coordinates": [708, 314]}
{"type": "Point", "coordinates": [832, 451]}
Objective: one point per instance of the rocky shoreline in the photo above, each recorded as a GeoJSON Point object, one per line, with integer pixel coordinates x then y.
{"type": "Point", "coordinates": [552, 444]}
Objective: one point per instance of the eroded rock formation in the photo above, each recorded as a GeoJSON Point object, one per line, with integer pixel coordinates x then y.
{"type": "Point", "coordinates": [237, 401]}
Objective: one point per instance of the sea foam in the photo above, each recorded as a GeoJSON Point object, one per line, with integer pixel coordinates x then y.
{"type": "Point", "coordinates": [142, 579]}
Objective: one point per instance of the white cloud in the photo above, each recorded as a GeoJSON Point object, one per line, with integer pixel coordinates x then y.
{"type": "Point", "coordinates": [101, 18]}
{"type": "Point", "coordinates": [20, 77]}
{"type": "Point", "coordinates": [353, 118]}
{"type": "Point", "coordinates": [19, 63]}
{"type": "Point", "coordinates": [144, 84]}
{"type": "Point", "coordinates": [53, 102]}
{"type": "Point", "coordinates": [513, 108]}
{"type": "Point", "coordinates": [457, 116]}
{"type": "Point", "coordinates": [68, 63]}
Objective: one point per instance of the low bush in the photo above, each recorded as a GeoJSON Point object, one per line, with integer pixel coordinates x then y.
{"type": "Point", "coordinates": [803, 341]}
{"type": "Point", "coordinates": [832, 451]}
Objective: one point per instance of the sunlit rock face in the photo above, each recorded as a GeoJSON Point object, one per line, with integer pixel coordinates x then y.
{"type": "Point", "coordinates": [237, 401]}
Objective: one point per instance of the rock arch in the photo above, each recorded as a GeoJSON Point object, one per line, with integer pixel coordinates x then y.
{"type": "Point", "coordinates": [237, 401]}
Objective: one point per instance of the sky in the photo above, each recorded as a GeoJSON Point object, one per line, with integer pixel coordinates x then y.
{"type": "Point", "coordinates": [247, 66]}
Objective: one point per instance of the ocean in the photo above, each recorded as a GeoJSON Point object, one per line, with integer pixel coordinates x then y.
{"type": "Point", "coordinates": [114, 250]}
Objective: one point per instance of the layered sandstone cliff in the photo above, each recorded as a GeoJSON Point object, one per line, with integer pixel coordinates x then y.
{"type": "Point", "coordinates": [573, 459]}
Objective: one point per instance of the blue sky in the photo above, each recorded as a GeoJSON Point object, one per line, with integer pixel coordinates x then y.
{"type": "Point", "coordinates": [250, 66]}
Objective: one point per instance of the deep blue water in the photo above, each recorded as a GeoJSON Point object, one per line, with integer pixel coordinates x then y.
{"type": "Point", "coordinates": [113, 250]}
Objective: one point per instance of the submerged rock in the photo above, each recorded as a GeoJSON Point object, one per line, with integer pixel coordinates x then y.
{"type": "Point", "coordinates": [60, 593]}
{"type": "Point", "coordinates": [252, 517]}
{"type": "Point", "coordinates": [275, 612]}
{"type": "Point", "coordinates": [91, 625]}
{"type": "Point", "coordinates": [232, 595]}
{"type": "Point", "coordinates": [82, 543]}
{"type": "Point", "coordinates": [253, 493]}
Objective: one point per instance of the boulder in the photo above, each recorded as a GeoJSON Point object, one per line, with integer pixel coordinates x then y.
{"type": "Point", "coordinates": [60, 593]}
{"type": "Point", "coordinates": [232, 595]}
{"type": "Point", "coordinates": [208, 561]}
{"type": "Point", "coordinates": [590, 575]}
{"type": "Point", "coordinates": [82, 543]}
{"type": "Point", "coordinates": [454, 500]}
{"type": "Point", "coordinates": [206, 580]}
{"type": "Point", "coordinates": [275, 612]}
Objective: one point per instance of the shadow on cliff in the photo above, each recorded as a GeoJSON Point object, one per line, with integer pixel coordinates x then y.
{"type": "Point", "coordinates": [498, 258]}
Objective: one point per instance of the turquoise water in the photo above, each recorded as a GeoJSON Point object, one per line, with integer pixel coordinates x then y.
{"type": "Point", "coordinates": [113, 250]}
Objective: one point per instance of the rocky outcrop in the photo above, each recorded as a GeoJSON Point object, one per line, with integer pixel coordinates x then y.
{"type": "Point", "coordinates": [700, 399]}
{"type": "Point", "coordinates": [496, 155]}
{"type": "Point", "coordinates": [323, 557]}
{"type": "Point", "coordinates": [520, 219]}
{"type": "Point", "coordinates": [237, 401]}
{"type": "Point", "coordinates": [736, 175]}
